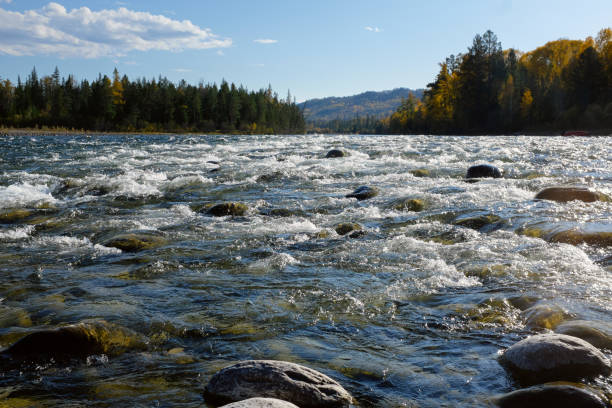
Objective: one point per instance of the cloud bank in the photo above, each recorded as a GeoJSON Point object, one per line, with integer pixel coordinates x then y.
{"type": "Point", "coordinates": [81, 32]}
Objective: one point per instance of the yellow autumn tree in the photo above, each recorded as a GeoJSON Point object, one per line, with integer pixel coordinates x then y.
{"type": "Point", "coordinates": [526, 103]}
{"type": "Point", "coordinates": [117, 89]}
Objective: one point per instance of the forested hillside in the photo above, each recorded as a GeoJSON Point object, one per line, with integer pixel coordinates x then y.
{"type": "Point", "coordinates": [564, 84]}
{"type": "Point", "coordinates": [373, 104]}
{"type": "Point", "coordinates": [119, 104]}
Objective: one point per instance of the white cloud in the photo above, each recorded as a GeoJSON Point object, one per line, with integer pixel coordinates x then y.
{"type": "Point", "coordinates": [182, 70]}
{"type": "Point", "coordinates": [265, 41]}
{"type": "Point", "coordinates": [373, 29]}
{"type": "Point", "coordinates": [81, 32]}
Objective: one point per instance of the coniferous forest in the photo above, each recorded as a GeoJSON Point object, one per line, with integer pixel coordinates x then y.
{"type": "Point", "coordinates": [119, 104]}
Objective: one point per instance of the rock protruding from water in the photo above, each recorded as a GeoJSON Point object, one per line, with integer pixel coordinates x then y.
{"type": "Point", "coordinates": [552, 395]}
{"type": "Point", "coordinates": [565, 194]}
{"type": "Point", "coordinates": [363, 193]}
{"type": "Point", "coordinates": [346, 227]}
{"type": "Point", "coordinates": [225, 209]}
{"type": "Point", "coordinates": [544, 316]}
{"type": "Point", "coordinates": [599, 334]}
{"type": "Point", "coordinates": [291, 382]}
{"type": "Point", "coordinates": [335, 153]}
{"type": "Point", "coordinates": [483, 171]}
{"type": "Point", "coordinates": [261, 403]}
{"type": "Point", "coordinates": [75, 341]}
{"type": "Point", "coordinates": [136, 241]}
{"type": "Point", "coordinates": [420, 173]}
{"type": "Point", "coordinates": [554, 357]}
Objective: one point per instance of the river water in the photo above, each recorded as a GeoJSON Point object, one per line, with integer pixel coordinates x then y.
{"type": "Point", "coordinates": [412, 313]}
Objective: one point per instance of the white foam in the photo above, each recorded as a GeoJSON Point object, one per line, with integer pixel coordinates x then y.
{"type": "Point", "coordinates": [24, 195]}
{"type": "Point", "coordinates": [17, 233]}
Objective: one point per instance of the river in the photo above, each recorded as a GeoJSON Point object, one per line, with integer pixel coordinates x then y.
{"type": "Point", "coordinates": [412, 312]}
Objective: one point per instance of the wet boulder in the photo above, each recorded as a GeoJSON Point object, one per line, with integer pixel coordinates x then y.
{"type": "Point", "coordinates": [554, 357]}
{"type": "Point", "coordinates": [225, 209]}
{"type": "Point", "coordinates": [483, 171]}
{"type": "Point", "coordinates": [136, 241]}
{"type": "Point", "coordinates": [552, 395]}
{"type": "Point", "coordinates": [336, 153]}
{"type": "Point", "coordinates": [286, 381]}
{"type": "Point", "coordinates": [74, 341]}
{"type": "Point", "coordinates": [481, 222]}
{"type": "Point", "coordinates": [565, 194]}
{"type": "Point", "coordinates": [261, 403]}
{"type": "Point", "coordinates": [363, 193]}
{"type": "Point", "coordinates": [282, 212]}
{"type": "Point", "coordinates": [576, 236]}
{"type": "Point", "coordinates": [420, 173]}
{"type": "Point", "coordinates": [599, 334]}
{"type": "Point", "coordinates": [346, 227]}
{"type": "Point", "coordinates": [544, 316]}
{"type": "Point", "coordinates": [14, 215]}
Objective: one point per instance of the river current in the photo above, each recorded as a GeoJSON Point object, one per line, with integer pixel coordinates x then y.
{"type": "Point", "coordinates": [414, 311]}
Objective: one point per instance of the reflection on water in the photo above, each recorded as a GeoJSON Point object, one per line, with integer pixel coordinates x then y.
{"type": "Point", "coordinates": [411, 311]}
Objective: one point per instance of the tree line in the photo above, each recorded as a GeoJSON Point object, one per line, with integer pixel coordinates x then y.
{"type": "Point", "coordinates": [155, 105]}
{"type": "Point", "coordinates": [562, 85]}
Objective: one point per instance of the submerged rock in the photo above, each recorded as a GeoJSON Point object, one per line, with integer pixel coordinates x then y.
{"type": "Point", "coordinates": [577, 237]}
{"type": "Point", "coordinates": [345, 228]}
{"type": "Point", "coordinates": [282, 212]}
{"type": "Point", "coordinates": [74, 341]}
{"type": "Point", "coordinates": [481, 222]}
{"type": "Point", "coordinates": [291, 382]}
{"type": "Point", "coordinates": [599, 334]}
{"type": "Point", "coordinates": [224, 209]}
{"type": "Point", "coordinates": [554, 357]}
{"type": "Point", "coordinates": [363, 193]}
{"type": "Point", "coordinates": [544, 316]}
{"type": "Point", "coordinates": [261, 403]}
{"type": "Point", "coordinates": [408, 204]}
{"type": "Point", "coordinates": [565, 194]}
{"type": "Point", "coordinates": [335, 153]}
{"type": "Point", "coordinates": [483, 171]}
{"type": "Point", "coordinates": [420, 173]}
{"type": "Point", "coordinates": [552, 395]}
{"type": "Point", "coordinates": [136, 241]}
{"type": "Point", "coordinates": [15, 215]}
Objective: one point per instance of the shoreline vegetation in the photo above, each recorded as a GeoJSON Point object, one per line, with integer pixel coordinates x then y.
{"type": "Point", "coordinates": [144, 106]}
{"type": "Point", "coordinates": [562, 85]}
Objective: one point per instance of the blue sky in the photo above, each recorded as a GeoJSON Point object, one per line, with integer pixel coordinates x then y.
{"type": "Point", "coordinates": [313, 48]}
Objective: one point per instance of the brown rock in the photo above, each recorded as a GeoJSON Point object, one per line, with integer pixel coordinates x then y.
{"type": "Point", "coordinates": [565, 194]}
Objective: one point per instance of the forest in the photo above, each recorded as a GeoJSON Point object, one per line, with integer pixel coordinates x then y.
{"type": "Point", "coordinates": [119, 104]}
{"type": "Point", "coordinates": [564, 84]}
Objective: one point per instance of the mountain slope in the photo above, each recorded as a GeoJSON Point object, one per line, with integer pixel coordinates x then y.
{"type": "Point", "coordinates": [377, 104]}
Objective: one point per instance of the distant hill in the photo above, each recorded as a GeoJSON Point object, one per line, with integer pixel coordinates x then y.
{"type": "Point", "coordinates": [377, 104]}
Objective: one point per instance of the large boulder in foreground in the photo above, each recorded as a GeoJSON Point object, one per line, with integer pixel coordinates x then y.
{"type": "Point", "coordinates": [554, 357]}
{"type": "Point", "coordinates": [565, 194]}
{"type": "Point", "coordinates": [363, 193]}
{"type": "Point", "coordinates": [261, 403]}
{"type": "Point", "coordinates": [74, 341]}
{"type": "Point", "coordinates": [225, 209]}
{"type": "Point", "coordinates": [483, 171]}
{"type": "Point", "coordinates": [552, 395]}
{"type": "Point", "coordinates": [291, 382]}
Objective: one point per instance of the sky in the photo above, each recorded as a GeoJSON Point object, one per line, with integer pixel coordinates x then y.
{"type": "Point", "coordinates": [313, 49]}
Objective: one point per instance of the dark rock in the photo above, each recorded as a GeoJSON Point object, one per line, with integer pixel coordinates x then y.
{"type": "Point", "coordinates": [346, 227]}
{"type": "Point", "coordinates": [483, 171]}
{"type": "Point", "coordinates": [554, 357]}
{"type": "Point", "coordinates": [552, 395]}
{"type": "Point", "coordinates": [335, 153]}
{"type": "Point", "coordinates": [599, 334]}
{"type": "Point", "coordinates": [357, 234]}
{"type": "Point", "coordinates": [224, 209]}
{"type": "Point", "coordinates": [261, 403]}
{"type": "Point", "coordinates": [282, 212]}
{"type": "Point", "coordinates": [565, 194]}
{"type": "Point", "coordinates": [291, 382]}
{"type": "Point", "coordinates": [363, 193]}
{"type": "Point", "coordinates": [136, 241]}
{"type": "Point", "coordinates": [74, 341]}
{"type": "Point", "coordinates": [481, 222]}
